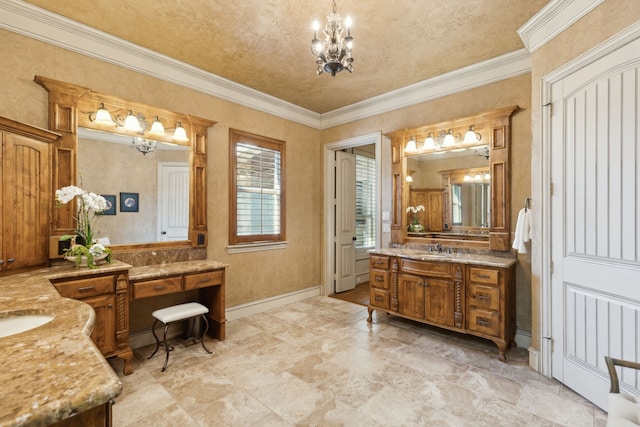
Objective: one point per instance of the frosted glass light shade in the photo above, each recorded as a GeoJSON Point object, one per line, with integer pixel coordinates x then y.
{"type": "Point", "coordinates": [180, 135]}
{"type": "Point", "coordinates": [131, 123]}
{"type": "Point", "coordinates": [103, 117]}
{"type": "Point", "coordinates": [157, 128]}
{"type": "Point", "coordinates": [411, 146]}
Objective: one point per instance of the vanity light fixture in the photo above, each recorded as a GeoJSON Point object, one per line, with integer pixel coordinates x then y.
{"type": "Point", "coordinates": [180, 135]}
{"type": "Point", "coordinates": [333, 53]}
{"type": "Point", "coordinates": [449, 140]}
{"type": "Point", "coordinates": [471, 137]}
{"type": "Point", "coordinates": [467, 177]}
{"type": "Point", "coordinates": [156, 128]}
{"type": "Point", "coordinates": [411, 146]}
{"type": "Point", "coordinates": [487, 176]}
{"type": "Point", "coordinates": [409, 177]}
{"type": "Point", "coordinates": [103, 117]}
{"type": "Point", "coordinates": [429, 142]}
{"type": "Point", "coordinates": [131, 123]}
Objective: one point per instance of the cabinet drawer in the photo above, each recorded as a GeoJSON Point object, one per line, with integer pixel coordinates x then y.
{"type": "Point", "coordinates": [85, 288]}
{"type": "Point", "coordinates": [379, 298]}
{"type": "Point", "coordinates": [483, 296]}
{"type": "Point", "coordinates": [379, 279]}
{"type": "Point", "coordinates": [377, 261]}
{"type": "Point", "coordinates": [426, 268]}
{"type": "Point", "coordinates": [151, 288]}
{"type": "Point", "coordinates": [484, 321]}
{"type": "Point", "coordinates": [202, 280]}
{"type": "Point", "coordinates": [483, 275]}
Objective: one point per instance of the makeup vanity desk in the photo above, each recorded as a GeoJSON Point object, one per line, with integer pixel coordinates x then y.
{"type": "Point", "coordinates": [205, 275]}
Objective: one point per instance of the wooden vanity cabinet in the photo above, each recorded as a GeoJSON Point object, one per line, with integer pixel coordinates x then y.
{"type": "Point", "coordinates": [25, 195]}
{"type": "Point", "coordinates": [471, 299]}
{"type": "Point", "coordinates": [108, 294]}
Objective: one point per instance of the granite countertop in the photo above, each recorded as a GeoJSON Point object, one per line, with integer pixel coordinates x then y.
{"type": "Point", "coordinates": [460, 258]}
{"type": "Point", "coordinates": [172, 269]}
{"type": "Point", "coordinates": [55, 370]}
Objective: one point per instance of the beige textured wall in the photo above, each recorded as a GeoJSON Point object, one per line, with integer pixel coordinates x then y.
{"type": "Point", "coordinates": [251, 276]}
{"type": "Point", "coordinates": [606, 20]}
{"type": "Point", "coordinates": [514, 91]}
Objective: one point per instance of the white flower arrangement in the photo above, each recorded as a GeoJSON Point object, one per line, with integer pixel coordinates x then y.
{"type": "Point", "coordinates": [90, 206]}
{"type": "Point", "coordinates": [415, 209]}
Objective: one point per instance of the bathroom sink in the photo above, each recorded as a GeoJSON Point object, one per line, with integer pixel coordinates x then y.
{"type": "Point", "coordinates": [18, 323]}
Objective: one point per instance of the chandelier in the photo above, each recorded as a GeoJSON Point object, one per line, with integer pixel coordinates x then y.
{"type": "Point", "coordinates": [333, 53]}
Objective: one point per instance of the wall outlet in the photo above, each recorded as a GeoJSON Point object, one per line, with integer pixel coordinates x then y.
{"type": "Point", "coordinates": [386, 228]}
{"type": "Point", "coordinates": [386, 216]}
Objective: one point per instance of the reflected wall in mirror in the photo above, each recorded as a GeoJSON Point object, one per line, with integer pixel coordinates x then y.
{"type": "Point", "coordinates": [159, 177]}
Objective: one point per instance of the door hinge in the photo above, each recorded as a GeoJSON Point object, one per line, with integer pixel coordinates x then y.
{"type": "Point", "coordinates": [550, 105]}
{"type": "Point", "coordinates": [551, 188]}
{"type": "Point", "coordinates": [550, 340]}
{"type": "Point", "coordinates": [551, 266]}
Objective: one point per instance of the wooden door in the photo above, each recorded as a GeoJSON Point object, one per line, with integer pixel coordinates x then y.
{"type": "Point", "coordinates": [345, 222]}
{"type": "Point", "coordinates": [434, 212]}
{"type": "Point", "coordinates": [595, 234]}
{"type": "Point", "coordinates": [440, 299]}
{"type": "Point", "coordinates": [411, 295]}
{"type": "Point", "coordinates": [173, 201]}
{"type": "Point", "coordinates": [418, 197]}
{"type": "Point", "coordinates": [26, 202]}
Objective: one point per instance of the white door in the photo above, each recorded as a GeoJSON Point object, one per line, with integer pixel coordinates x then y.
{"type": "Point", "coordinates": [595, 221]}
{"type": "Point", "coordinates": [345, 221]}
{"type": "Point", "coordinates": [173, 201]}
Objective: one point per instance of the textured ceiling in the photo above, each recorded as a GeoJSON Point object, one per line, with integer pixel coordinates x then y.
{"type": "Point", "coordinates": [265, 44]}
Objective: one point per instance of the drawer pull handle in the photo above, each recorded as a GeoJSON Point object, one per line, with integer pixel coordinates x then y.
{"type": "Point", "coordinates": [379, 279]}
{"type": "Point", "coordinates": [205, 279]}
{"type": "Point", "coordinates": [483, 297]}
{"type": "Point", "coordinates": [159, 287]}
{"type": "Point", "coordinates": [379, 262]}
{"type": "Point", "coordinates": [483, 322]}
{"type": "Point", "coordinates": [378, 298]}
{"type": "Point", "coordinates": [87, 289]}
{"type": "Point", "coordinates": [484, 276]}
{"type": "Point", "coordinates": [10, 260]}
{"type": "Point", "coordinates": [109, 305]}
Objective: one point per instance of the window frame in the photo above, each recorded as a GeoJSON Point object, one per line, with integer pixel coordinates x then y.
{"type": "Point", "coordinates": [236, 137]}
{"type": "Point", "coordinates": [372, 216]}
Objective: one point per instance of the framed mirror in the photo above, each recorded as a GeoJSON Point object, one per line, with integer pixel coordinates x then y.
{"type": "Point", "coordinates": [459, 170]}
{"type": "Point", "coordinates": [73, 112]}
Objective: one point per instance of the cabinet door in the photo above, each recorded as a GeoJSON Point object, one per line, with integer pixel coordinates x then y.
{"type": "Point", "coordinates": [434, 210]}
{"type": "Point", "coordinates": [25, 202]}
{"type": "Point", "coordinates": [104, 330]}
{"type": "Point", "coordinates": [440, 301]}
{"type": "Point", "coordinates": [411, 295]}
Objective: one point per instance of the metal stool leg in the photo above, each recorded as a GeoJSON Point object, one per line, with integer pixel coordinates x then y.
{"type": "Point", "coordinates": [153, 330]}
{"type": "Point", "coordinates": [206, 328]}
{"type": "Point", "coordinates": [167, 348]}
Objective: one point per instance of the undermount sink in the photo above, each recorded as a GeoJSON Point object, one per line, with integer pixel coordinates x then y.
{"type": "Point", "coordinates": [18, 323]}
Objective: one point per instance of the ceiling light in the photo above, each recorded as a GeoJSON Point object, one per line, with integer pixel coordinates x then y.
{"type": "Point", "coordinates": [131, 123]}
{"type": "Point", "coordinates": [143, 145]}
{"type": "Point", "coordinates": [156, 128]}
{"type": "Point", "coordinates": [103, 117]}
{"type": "Point", "coordinates": [333, 53]}
{"type": "Point", "coordinates": [180, 135]}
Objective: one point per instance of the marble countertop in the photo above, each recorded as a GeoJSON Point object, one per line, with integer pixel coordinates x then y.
{"type": "Point", "coordinates": [460, 258]}
{"type": "Point", "coordinates": [172, 269]}
{"type": "Point", "coordinates": [55, 370]}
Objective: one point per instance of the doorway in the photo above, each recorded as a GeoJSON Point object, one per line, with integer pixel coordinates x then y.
{"type": "Point", "coordinates": [330, 273]}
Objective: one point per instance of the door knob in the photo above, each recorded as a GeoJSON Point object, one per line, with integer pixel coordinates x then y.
{"type": "Point", "coordinates": [354, 238]}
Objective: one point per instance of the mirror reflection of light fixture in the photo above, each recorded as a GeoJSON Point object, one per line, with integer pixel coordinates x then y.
{"type": "Point", "coordinates": [487, 176]}
{"type": "Point", "coordinates": [156, 128]}
{"type": "Point", "coordinates": [180, 135]}
{"type": "Point", "coordinates": [471, 137]}
{"type": "Point", "coordinates": [409, 177]}
{"type": "Point", "coordinates": [411, 146]}
{"type": "Point", "coordinates": [333, 52]}
{"type": "Point", "coordinates": [103, 117]}
{"type": "Point", "coordinates": [467, 177]}
{"type": "Point", "coordinates": [131, 123]}
{"type": "Point", "coordinates": [143, 145]}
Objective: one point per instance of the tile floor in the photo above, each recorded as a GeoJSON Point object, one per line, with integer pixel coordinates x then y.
{"type": "Point", "coordinates": [319, 363]}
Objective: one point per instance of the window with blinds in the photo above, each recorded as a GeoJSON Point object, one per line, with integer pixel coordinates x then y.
{"type": "Point", "coordinates": [257, 203]}
{"type": "Point", "coordinates": [456, 203]}
{"type": "Point", "coordinates": [365, 202]}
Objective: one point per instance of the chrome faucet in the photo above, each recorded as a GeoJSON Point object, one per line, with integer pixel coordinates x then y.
{"type": "Point", "coordinates": [438, 247]}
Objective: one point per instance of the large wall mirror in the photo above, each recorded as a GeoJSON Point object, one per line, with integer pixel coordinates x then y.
{"type": "Point", "coordinates": [156, 182]}
{"type": "Point", "coordinates": [451, 182]}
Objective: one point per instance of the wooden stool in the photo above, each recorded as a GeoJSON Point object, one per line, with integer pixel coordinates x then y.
{"type": "Point", "coordinates": [173, 314]}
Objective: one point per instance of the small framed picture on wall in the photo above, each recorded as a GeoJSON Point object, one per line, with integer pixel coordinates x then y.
{"type": "Point", "coordinates": [111, 204]}
{"type": "Point", "coordinates": [129, 202]}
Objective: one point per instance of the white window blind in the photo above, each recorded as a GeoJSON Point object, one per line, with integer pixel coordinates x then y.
{"type": "Point", "coordinates": [365, 202]}
{"type": "Point", "coordinates": [456, 203]}
{"type": "Point", "coordinates": [258, 190]}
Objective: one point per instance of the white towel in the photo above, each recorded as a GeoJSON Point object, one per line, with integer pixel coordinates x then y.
{"type": "Point", "coordinates": [523, 231]}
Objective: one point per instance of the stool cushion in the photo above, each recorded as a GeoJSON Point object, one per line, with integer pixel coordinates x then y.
{"type": "Point", "coordinates": [179, 312]}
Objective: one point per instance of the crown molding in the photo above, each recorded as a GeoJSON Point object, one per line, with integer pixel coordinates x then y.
{"type": "Point", "coordinates": [551, 20]}
{"type": "Point", "coordinates": [34, 22]}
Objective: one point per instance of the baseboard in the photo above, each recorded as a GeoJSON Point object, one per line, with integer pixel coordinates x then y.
{"type": "Point", "coordinates": [534, 359]}
{"type": "Point", "coordinates": [255, 307]}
